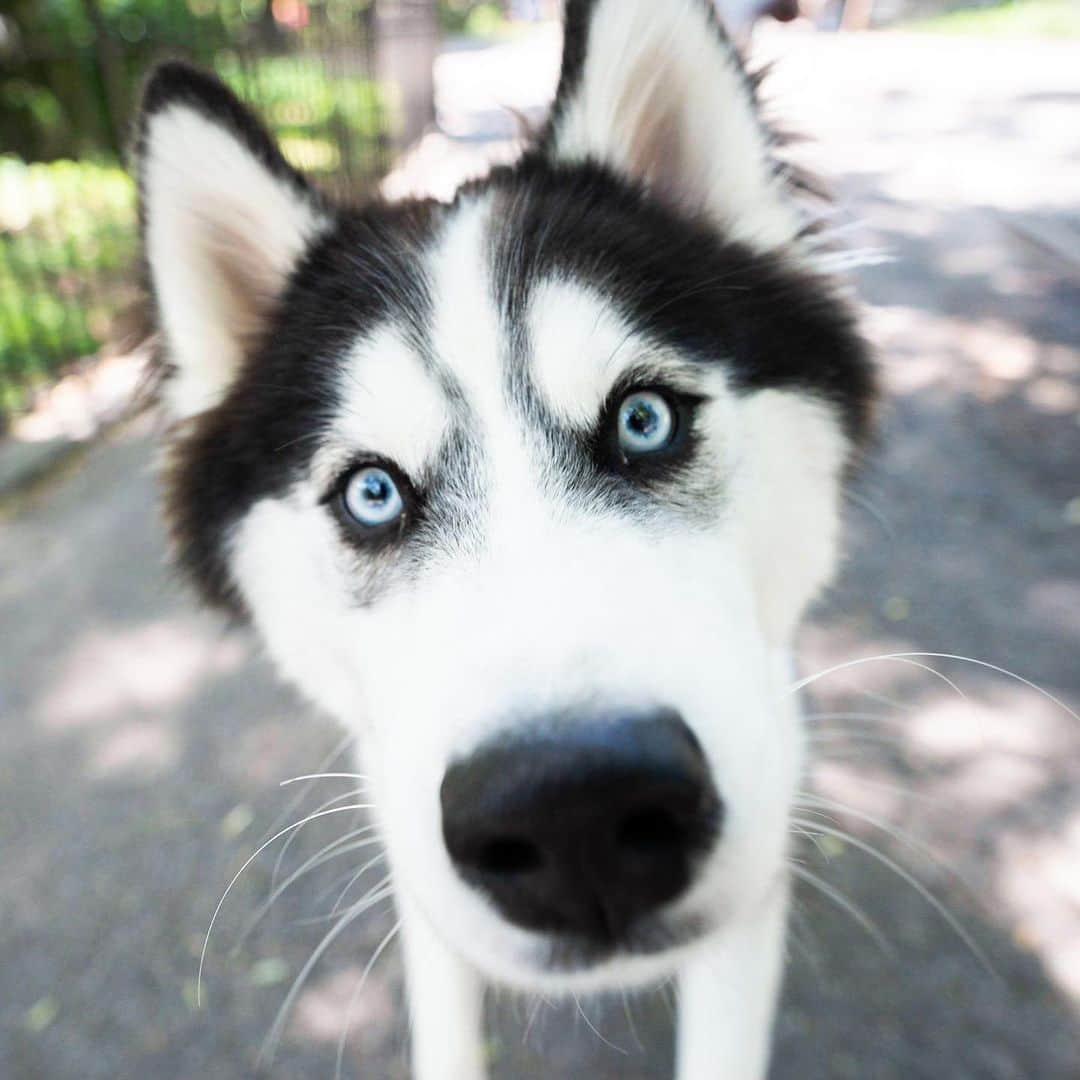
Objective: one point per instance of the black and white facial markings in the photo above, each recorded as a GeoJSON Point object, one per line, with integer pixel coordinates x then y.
{"type": "Point", "coordinates": [575, 440]}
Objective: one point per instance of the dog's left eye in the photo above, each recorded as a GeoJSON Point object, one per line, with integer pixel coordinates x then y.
{"type": "Point", "coordinates": [372, 498]}
{"type": "Point", "coordinates": [646, 423]}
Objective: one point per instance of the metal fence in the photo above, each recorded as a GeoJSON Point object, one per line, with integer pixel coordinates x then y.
{"type": "Point", "coordinates": [343, 84]}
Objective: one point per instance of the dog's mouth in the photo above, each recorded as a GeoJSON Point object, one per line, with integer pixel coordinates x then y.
{"type": "Point", "coordinates": [648, 937]}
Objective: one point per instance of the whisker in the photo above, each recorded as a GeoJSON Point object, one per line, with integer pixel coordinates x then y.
{"type": "Point", "coordinates": [669, 995]}
{"type": "Point", "coordinates": [355, 878]}
{"type": "Point", "coordinates": [846, 905]}
{"type": "Point", "coordinates": [337, 750]}
{"type": "Point", "coordinates": [541, 1001]}
{"type": "Point", "coordinates": [251, 858]}
{"type": "Point", "coordinates": [270, 1044]}
{"type": "Point", "coordinates": [898, 834]}
{"type": "Point", "coordinates": [629, 1013]}
{"type": "Point", "coordinates": [864, 502]}
{"type": "Point", "coordinates": [321, 920]}
{"type": "Point", "coordinates": [287, 846]}
{"type": "Point", "coordinates": [335, 850]}
{"type": "Point", "coordinates": [899, 658]}
{"type": "Point", "coordinates": [310, 436]}
{"type": "Point", "coordinates": [904, 875]}
{"type": "Point", "coordinates": [592, 1027]}
{"type": "Point", "coordinates": [904, 790]}
{"type": "Point", "coordinates": [335, 886]}
{"type": "Point", "coordinates": [799, 830]}
{"type": "Point", "coordinates": [323, 776]}
{"type": "Point", "coordinates": [911, 657]}
{"type": "Point", "coordinates": [354, 997]}
{"type": "Point", "coordinates": [801, 935]}
{"type": "Point", "coordinates": [884, 699]}
{"type": "Point", "coordinates": [1000, 671]}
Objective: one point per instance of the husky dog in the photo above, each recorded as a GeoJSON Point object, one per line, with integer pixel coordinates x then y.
{"type": "Point", "coordinates": [530, 491]}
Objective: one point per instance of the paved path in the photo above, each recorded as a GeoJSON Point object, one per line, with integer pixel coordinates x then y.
{"type": "Point", "coordinates": [142, 744]}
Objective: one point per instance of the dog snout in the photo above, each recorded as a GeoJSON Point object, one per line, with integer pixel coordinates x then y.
{"type": "Point", "coordinates": [583, 826]}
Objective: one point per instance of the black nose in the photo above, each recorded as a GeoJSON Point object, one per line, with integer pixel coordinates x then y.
{"type": "Point", "coordinates": [585, 826]}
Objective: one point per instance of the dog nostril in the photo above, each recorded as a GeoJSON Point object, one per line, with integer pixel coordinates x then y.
{"type": "Point", "coordinates": [582, 828]}
{"type": "Point", "coordinates": [507, 855]}
{"type": "Point", "coordinates": [650, 830]}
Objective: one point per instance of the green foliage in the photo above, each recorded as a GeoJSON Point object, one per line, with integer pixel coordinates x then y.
{"type": "Point", "coordinates": [72, 70]}
{"type": "Point", "coordinates": [67, 229]}
{"type": "Point", "coordinates": [1014, 18]}
{"type": "Point", "coordinates": [327, 124]}
{"type": "Point", "coordinates": [69, 79]}
{"type": "Point", "coordinates": [67, 240]}
{"type": "Point", "coordinates": [477, 18]}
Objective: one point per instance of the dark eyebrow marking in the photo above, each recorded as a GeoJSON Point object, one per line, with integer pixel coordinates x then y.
{"type": "Point", "coordinates": [678, 280]}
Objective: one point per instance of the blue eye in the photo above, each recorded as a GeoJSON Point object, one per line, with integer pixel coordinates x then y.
{"type": "Point", "coordinates": [646, 423]}
{"type": "Point", "coordinates": [371, 498]}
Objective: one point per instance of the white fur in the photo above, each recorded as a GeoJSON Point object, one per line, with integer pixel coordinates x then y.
{"type": "Point", "coordinates": [727, 995]}
{"type": "Point", "coordinates": [662, 100]}
{"type": "Point", "coordinates": [580, 348]}
{"type": "Point", "coordinates": [216, 218]}
{"type": "Point", "coordinates": [445, 1003]}
{"type": "Point", "coordinates": [391, 407]}
{"type": "Point", "coordinates": [790, 481]}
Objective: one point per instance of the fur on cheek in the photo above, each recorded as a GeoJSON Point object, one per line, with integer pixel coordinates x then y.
{"type": "Point", "coordinates": [789, 488]}
{"type": "Point", "coordinates": [283, 560]}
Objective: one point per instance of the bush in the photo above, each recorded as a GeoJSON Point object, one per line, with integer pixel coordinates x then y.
{"type": "Point", "coordinates": [478, 18]}
{"type": "Point", "coordinates": [70, 69]}
{"type": "Point", "coordinates": [67, 229]}
{"type": "Point", "coordinates": [67, 241]}
{"type": "Point", "coordinates": [327, 124]}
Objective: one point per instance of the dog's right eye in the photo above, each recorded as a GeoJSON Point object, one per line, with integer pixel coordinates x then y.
{"type": "Point", "coordinates": [371, 497]}
{"type": "Point", "coordinates": [646, 423]}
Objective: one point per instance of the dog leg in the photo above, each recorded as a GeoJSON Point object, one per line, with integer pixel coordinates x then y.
{"type": "Point", "coordinates": [445, 1005]}
{"type": "Point", "coordinates": [727, 998]}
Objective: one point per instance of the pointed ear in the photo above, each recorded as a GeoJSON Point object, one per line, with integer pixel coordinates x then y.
{"type": "Point", "coordinates": [655, 90]}
{"type": "Point", "coordinates": [225, 219]}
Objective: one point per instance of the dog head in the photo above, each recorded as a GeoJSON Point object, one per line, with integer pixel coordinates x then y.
{"type": "Point", "coordinates": [530, 489]}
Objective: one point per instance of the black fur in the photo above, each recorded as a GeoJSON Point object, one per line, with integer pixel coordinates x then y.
{"type": "Point", "coordinates": [677, 280]}
{"type": "Point", "coordinates": [576, 18]}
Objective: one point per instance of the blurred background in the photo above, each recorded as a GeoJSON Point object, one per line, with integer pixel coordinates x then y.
{"type": "Point", "coordinates": [142, 744]}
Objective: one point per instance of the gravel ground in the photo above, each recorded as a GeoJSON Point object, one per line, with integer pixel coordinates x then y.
{"type": "Point", "coordinates": [143, 744]}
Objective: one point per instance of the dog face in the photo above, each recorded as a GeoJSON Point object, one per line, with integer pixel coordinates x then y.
{"type": "Point", "coordinates": [529, 490]}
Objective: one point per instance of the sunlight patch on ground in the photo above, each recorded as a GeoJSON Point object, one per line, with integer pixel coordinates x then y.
{"type": "Point", "coordinates": [108, 673]}
{"type": "Point", "coordinates": [139, 747]}
{"type": "Point", "coordinates": [951, 729]}
{"type": "Point", "coordinates": [1038, 877]}
{"type": "Point", "coordinates": [326, 1007]}
{"type": "Point", "coordinates": [83, 401]}
{"type": "Point", "coordinates": [987, 770]}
